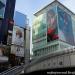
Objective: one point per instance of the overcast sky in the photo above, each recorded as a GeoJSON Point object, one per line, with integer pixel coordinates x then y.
{"type": "Point", "coordinates": [29, 7]}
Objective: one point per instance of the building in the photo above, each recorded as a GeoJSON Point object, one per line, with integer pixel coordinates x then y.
{"type": "Point", "coordinates": [6, 18]}
{"type": "Point", "coordinates": [6, 27]}
{"type": "Point", "coordinates": [6, 24]}
{"type": "Point", "coordinates": [20, 45]}
{"type": "Point", "coordinates": [53, 29]}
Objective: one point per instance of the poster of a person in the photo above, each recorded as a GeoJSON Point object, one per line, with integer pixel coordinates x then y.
{"type": "Point", "coordinates": [18, 36]}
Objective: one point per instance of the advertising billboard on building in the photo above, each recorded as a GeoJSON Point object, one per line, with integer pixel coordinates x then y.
{"type": "Point", "coordinates": [39, 26]}
{"type": "Point", "coordinates": [65, 26]}
{"type": "Point", "coordinates": [2, 8]}
{"type": "Point", "coordinates": [18, 36]}
{"type": "Point", "coordinates": [52, 31]}
{"type": "Point", "coordinates": [20, 19]}
{"type": "Point", "coordinates": [73, 24]}
{"type": "Point", "coordinates": [17, 50]}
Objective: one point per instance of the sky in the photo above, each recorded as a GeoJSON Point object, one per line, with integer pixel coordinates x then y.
{"type": "Point", "coordinates": [29, 7]}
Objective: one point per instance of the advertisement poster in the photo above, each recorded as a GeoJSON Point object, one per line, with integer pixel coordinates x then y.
{"type": "Point", "coordinates": [52, 31]}
{"type": "Point", "coordinates": [18, 36]}
{"type": "Point", "coordinates": [65, 26]}
{"type": "Point", "coordinates": [39, 25]}
{"type": "Point", "coordinates": [2, 8]}
{"type": "Point", "coordinates": [17, 50]}
{"type": "Point", "coordinates": [73, 24]}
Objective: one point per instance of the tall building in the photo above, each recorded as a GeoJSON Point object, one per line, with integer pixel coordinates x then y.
{"type": "Point", "coordinates": [52, 29]}
{"type": "Point", "coordinates": [6, 18]}
{"type": "Point", "coordinates": [6, 27]}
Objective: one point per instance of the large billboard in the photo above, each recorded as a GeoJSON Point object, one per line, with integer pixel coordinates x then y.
{"type": "Point", "coordinates": [2, 8]}
{"type": "Point", "coordinates": [65, 26]}
{"type": "Point", "coordinates": [17, 50]}
{"type": "Point", "coordinates": [18, 36]}
{"type": "Point", "coordinates": [52, 31]}
{"type": "Point", "coordinates": [73, 24]}
{"type": "Point", "coordinates": [39, 26]}
{"type": "Point", "coordinates": [20, 19]}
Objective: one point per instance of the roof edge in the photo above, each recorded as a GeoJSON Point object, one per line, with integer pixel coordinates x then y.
{"type": "Point", "coordinates": [51, 4]}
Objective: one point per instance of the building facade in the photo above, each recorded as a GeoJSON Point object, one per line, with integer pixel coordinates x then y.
{"type": "Point", "coordinates": [6, 27]}
{"type": "Point", "coordinates": [6, 18]}
{"type": "Point", "coordinates": [52, 29]}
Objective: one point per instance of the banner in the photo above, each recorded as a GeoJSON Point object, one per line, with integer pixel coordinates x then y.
{"type": "Point", "coordinates": [39, 26]}
{"type": "Point", "coordinates": [18, 36]}
{"type": "Point", "coordinates": [52, 31]}
{"type": "Point", "coordinates": [65, 26]}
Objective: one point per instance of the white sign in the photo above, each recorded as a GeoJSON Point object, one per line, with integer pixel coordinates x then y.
{"type": "Point", "coordinates": [18, 36]}
{"type": "Point", "coordinates": [18, 51]}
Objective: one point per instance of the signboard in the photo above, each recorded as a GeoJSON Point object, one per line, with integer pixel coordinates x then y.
{"type": "Point", "coordinates": [2, 8]}
{"type": "Point", "coordinates": [73, 24]}
{"type": "Point", "coordinates": [39, 26]}
{"type": "Point", "coordinates": [52, 31]}
{"type": "Point", "coordinates": [17, 50]}
{"type": "Point", "coordinates": [65, 26]}
{"type": "Point", "coordinates": [20, 19]}
{"type": "Point", "coordinates": [18, 36]}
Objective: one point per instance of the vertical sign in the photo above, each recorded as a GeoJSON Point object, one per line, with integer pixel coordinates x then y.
{"type": "Point", "coordinates": [65, 26]}
{"type": "Point", "coordinates": [18, 41]}
{"type": "Point", "coordinates": [18, 36]}
{"type": "Point", "coordinates": [52, 31]}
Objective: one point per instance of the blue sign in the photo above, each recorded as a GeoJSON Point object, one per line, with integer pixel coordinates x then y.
{"type": "Point", "coordinates": [20, 19]}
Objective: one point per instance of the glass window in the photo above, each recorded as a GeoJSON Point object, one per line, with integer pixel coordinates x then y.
{"type": "Point", "coordinates": [2, 8]}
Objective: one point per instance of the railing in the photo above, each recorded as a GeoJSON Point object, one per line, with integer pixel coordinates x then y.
{"type": "Point", "coordinates": [14, 70]}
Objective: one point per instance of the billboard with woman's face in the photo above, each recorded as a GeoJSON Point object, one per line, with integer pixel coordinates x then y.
{"type": "Point", "coordinates": [52, 32]}
{"type": "Point", "coordinates": [18, 36]}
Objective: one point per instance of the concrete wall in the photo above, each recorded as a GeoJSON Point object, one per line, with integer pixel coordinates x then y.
{"type": "Point", "coordinates": [61, 60]}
